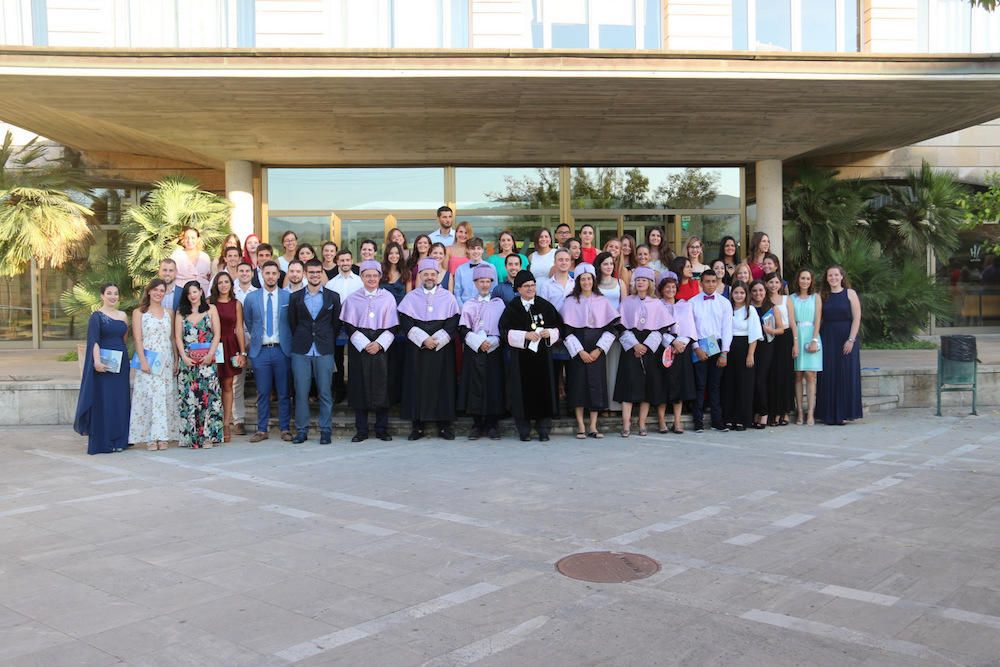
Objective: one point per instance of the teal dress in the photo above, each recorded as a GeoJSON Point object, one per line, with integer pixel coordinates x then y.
{"type": "Point", "coordinates": [805, 316]}
{"type": "Point", "coordinates": [498, 263]}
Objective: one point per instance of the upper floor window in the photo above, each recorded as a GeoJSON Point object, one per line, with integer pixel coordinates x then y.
{"type": "Point", "coordinates": [596, 24]}
{"type": "Point", "coordinates": [795, 25]}
{"type": "Point", "coordinates": [954, 26]}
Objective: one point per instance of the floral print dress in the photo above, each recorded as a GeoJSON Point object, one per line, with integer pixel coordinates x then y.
{"type": "Point", "coordinates": [154, 397]}
{"type": "Point", "coordinates": [200, 391]}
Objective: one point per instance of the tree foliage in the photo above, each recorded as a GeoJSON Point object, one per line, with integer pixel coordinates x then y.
{"type": "Point", "coordinates": [988, 5]}
{"type": "Point", "coordinates": [152, 229]}
{"type": "Point", "coordinates": [611, 187]}
{"type": "Point", "coordinates": [38, 218]}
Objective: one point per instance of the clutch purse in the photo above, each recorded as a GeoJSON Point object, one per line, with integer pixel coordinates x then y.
{"type": "Point", "coordinates": [668, 356]}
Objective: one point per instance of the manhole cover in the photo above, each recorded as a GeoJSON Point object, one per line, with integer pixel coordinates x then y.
{"type": "Point", "coordinates": [607, 567]}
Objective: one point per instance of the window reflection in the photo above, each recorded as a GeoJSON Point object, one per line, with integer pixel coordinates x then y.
{"type": "Point", "coordinates": [507, 187]}
{"type": "Point", "coordinates": [343, 189]}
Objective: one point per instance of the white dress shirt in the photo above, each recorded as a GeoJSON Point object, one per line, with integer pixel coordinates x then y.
{"type": "Point", "coordinates": [240, 293]}
{"type": "Point", "coordinates": [345, 285]}
{"type": "Point", "coordinates": [267, 340]}
{"type": "Point", "coordinates": [713, 318]}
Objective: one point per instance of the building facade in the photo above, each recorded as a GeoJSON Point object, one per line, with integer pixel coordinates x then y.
{"type": "Point", "coordinates": [344, 118]}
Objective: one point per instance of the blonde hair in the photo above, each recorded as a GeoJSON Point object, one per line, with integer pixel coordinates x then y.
{"type": "Point", "coordinates": [467, 226]}
{"type": "Point", "coordinates": [739, 266]}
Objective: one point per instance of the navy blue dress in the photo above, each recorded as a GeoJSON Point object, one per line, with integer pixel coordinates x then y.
{"type": "Point", "coordinates": [838, 387]}
{"type": "Point", "coordinates": [103, 408]}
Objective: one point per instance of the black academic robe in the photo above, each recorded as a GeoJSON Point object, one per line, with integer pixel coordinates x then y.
{"type": "Point", "coordinates": [587, 384]}
{"type": "Point", "coordinates": [368, 388]}
{"type": "Point", "coordinates": [481, 387]}
{"type": "Point", "coordinates": [531, 381]}
{"type": "Point", "coordinates": [428, 375]}
{"type": "Point", "coordinates": [641, 379]}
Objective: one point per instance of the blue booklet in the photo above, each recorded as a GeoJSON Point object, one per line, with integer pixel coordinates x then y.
{"type": "Point", "coordinates": [710, 345]}
{"type": "Point", "coordinates": [153, 358]}
{"type": "Point", "coordinates": [112, 359]}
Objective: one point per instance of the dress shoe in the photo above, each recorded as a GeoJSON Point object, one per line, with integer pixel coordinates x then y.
{"type": "Point", "coordinates": [492, 434]}
{"type": "Point", "coordinates": [447, 434]}
{"type": "Point", "coordinates": [299, 438]}
{"type": "Point", "coordinates": [240, 428]}
{"type": "Point", "coordinates": [525, 438]}
{"type": "Point", "coordinates": [699, 427]}
{"type": "Point", "coordinates": [739, 427]}
{"type": "Point", "coordinates": [384, 437]}
{"type": "Point", "coordinates": [543, 437]}
{"type": "Point", "coordinates": [415, 435]}
{"type": "Point", "coordinates": [476, 433]}
{"type": "Point", "coordinates": [324, 438]}
{"type": "Point", "coordinates": [721, 428]}
{"type": "Point", "coordinates": [258, 436]}
{"type": "Point", "coordinates": [359, 438]}
{"type": "Point", "coordinates": [286, 436]}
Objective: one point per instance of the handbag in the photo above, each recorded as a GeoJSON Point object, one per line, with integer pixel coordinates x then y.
{"type": "Point", "coordinates": [668, 356]}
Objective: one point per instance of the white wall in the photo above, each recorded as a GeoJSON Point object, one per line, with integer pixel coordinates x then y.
{"type": "Point", "coordinates": [698, 25]}
{"type": "Point", "coordinates": [499, 24]}
{"type": "Point", "coordinates": [15, 22]}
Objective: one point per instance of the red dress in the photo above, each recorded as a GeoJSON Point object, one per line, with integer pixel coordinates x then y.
{"type": "Point", "coordinates": [588, 255]}
{"type": "Point", "coordinates": [227, 332]}
{"type": "Point", "coordinates": [685, 292]}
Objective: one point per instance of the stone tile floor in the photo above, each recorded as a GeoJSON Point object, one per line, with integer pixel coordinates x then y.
{"type": "Point", "coordinates": [870, 544]}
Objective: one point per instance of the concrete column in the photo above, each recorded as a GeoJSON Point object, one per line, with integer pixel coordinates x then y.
{"type": "Point", "coordinates": [769, 203]}
{"type": "Point", "coordinates": [239, 190]}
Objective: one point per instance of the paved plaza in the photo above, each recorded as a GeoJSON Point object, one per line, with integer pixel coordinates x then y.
{"type": "Point", "coordinates": [870, 544]}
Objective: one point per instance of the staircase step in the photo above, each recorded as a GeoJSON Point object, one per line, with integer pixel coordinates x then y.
{"type": "Point", "coordinates": [879, 403]}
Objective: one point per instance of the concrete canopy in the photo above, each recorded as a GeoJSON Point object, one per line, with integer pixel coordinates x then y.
{"type": "Point", "coordinates": [489, 107]}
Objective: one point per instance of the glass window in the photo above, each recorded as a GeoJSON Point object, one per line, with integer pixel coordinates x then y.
{"type": "Point", "coordinates": [506, 187]}
{"type": "Point", "coordinates": [819, 25]}
{"type": "Point", "coordinates": [740, 25]}
{"type": "Point", "coordinates": [985, 31]}
{"type": "Point", "coordinates": [417, 24]}
{"type": "Point", "coordinates": [15, 308]}
{"type": "Point", "coordinates": [710, 229]}
{"type": "Point", "coordinates": [523, 227]}
{"type": "Point", "coordinates": [56, 324]}
{"type": "Point", "coordinates": [313, 229]}
{"type": "Point", "coordinates": [353, 232]}
{"type": "Point", "coordinates": [949, 26]}
{"type": "Point", "coordinates": [655, 187]}
{"type": "Point", "coordinates": [774, 25]}
{"type": "Point", "coordinates": [616, 24]}
{"type": "Point", "coordinates": [616, 37]}
{"type": "Point", "coordinates": [654, 40]}
{"type": "Point", "coordinates": [970, 276]}
{"type": "Point", "coordinates": [460, 24]}
{"type": "Point", "coordinates": [339, 190]}
{"type": "Point", "coordinates": [851, 25]}
{"type": "Point", "coordinates": [570, 36]}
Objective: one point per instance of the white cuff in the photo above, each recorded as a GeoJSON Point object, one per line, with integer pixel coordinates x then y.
{"type": "Point", "coordinates": [516, 338]}
{"type": "Point", "coordinates": [605, 342]}
{"type": "Point", "coordinates": [417, 336]}
{"type": "Point", "coordinates": [385, 339]}
{"type": "Point", "coordinates": [474, 340]}
{"type": "Point", "coordinates": [573, 345]}
{"type": "Point", "coordinates": [359, 341]}
{"type": "Point", "coordinates": [553, 337]}
{"type": "Point", "coordinates": [494, 342]}
{"type": "Point", "coordinates": [683, 339]}
{"type": "Point", "coordinates": [668, 338]}
{"type": "Point", "coordinates": [442, 338]}
{"type": "Point", "coordinates": [628, 340]}
{"type": "Point", "coordinates": [653, 340]}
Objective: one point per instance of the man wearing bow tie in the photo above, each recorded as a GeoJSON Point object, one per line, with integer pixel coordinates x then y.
{"type": "Point", "coordinates": [713, 319]}
{"type": "Point", "coordinates": [528, 327]}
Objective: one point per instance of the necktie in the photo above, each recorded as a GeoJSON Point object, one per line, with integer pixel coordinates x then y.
{"type": "Point", "coordinates": [269, 325]}
{"type": "Point", "coordinates": [709, 298]}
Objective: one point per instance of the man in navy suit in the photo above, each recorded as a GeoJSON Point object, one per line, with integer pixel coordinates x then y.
{"type": "Point", "coordinates": [265, 312]}
{"type": "Point", "coordinates": [314, 319]}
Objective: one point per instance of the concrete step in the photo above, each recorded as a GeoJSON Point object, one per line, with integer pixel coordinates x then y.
{"type": "Point", "coordinates": [879, 403]}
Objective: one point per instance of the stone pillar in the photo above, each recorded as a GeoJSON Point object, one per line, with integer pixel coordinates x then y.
{"type": "Point", "coordinates": [769, 203]}
{"type": "Point", "coordinates": [239, 190]}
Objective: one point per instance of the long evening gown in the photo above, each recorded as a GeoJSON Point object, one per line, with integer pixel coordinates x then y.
{"type": "Point", "coordinates": [154, 397]}
{"type": "Point", "coordinates": [102, 410]}
{"type": "Point", "coordinates": [200, 392]}
{"type": "Point", "coordinates": [838, 388]}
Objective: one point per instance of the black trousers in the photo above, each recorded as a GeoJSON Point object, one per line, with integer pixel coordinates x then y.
{"type": "Point", "coordinates": [381, 421]}
{"type": "Point", "coordinates": [339, 381]}
{"type": "Point", "coordinates": [543, 426]}
{"type": "Point", "coordinates": [708, 375]}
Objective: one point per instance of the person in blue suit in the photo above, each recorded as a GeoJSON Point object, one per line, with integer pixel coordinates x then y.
{"type": "Point", "coordinates": [265, 312]}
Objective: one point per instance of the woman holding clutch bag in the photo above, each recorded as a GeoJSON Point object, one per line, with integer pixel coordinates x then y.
{"type": "Point", "coordinates": [102, 411]}
{"type": "Point", "coordinates": [154, 392]}
{"type": "Point", "coordinates": [196, 334]}
{"type": "Point", "coordinates": [234, 354]}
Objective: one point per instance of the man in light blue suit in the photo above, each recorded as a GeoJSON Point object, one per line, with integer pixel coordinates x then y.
{"type": "Point", "coordinates": [265, 312]}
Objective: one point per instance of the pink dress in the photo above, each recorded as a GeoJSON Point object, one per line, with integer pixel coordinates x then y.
{"type": "Point", "coordinates": [455, 262]}
{"type": "Point", "coordinates": [201, 270]}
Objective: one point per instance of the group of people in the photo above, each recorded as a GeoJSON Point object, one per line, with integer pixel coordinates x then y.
{"type": "Point", "coordinates": [439, 329]}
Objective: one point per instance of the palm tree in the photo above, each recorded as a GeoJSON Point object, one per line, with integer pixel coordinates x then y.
{"type": "Point", "coordinates": [152, 229]}
{"type": "Point", "coordinates": [821, 214]}
{"type": "Point", "coordinates": [38, 219]}
{"type": "Point", "coordinates": [924, 211]}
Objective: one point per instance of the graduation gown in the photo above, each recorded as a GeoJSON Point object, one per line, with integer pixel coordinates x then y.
{"type": "Point", "coordinates": [428, 375]}
{"type": "Point", "coordinates": [531, 382]}
{"type": "Point", "coordinates": [588, 324]}
{"type": "Point", "coordinates": [481, 386]}
{"type": "Point", "coordinates": [368, 388]}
